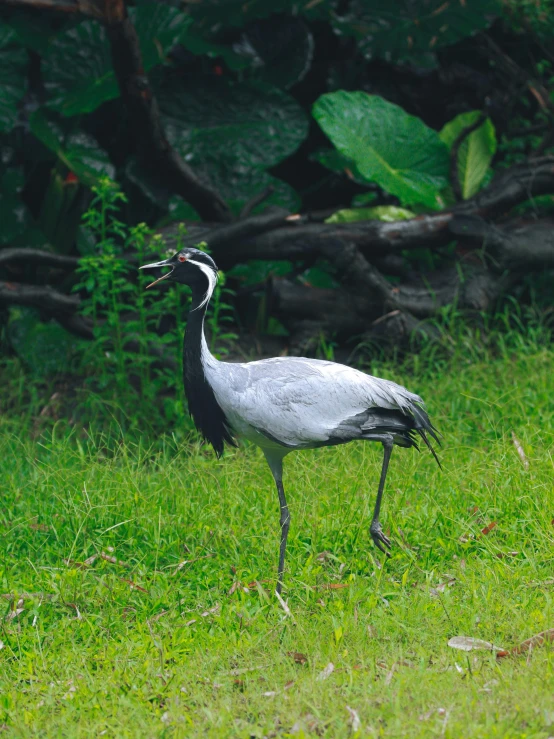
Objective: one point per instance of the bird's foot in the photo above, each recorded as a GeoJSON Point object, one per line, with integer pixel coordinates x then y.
{"type": "Point", "coordinates": [379, 539]}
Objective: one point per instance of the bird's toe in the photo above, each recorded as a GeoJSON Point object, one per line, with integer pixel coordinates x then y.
{"type": "Point", "coordinates": [380, 539]}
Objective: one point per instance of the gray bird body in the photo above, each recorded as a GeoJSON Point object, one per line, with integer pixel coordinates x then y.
{"type": "Point", "coordinates": [288, 403]}
{"type": "Point", "coordinates": [299, 403]}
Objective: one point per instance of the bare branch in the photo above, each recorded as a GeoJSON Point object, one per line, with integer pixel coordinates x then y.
{"type": "Point", "coordinates": [38, 296]}
{"type": "Point", "coordinates": [38, 256]}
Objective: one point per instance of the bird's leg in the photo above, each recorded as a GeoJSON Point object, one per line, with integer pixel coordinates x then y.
{"type": "Point", "coordinates": [275, 461]}
{"type": "Point", "coordinates": [285, 523]}
{"type": "Point", "coordinates": [379, 539]}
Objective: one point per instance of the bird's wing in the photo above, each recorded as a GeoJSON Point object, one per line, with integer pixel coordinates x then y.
{"type": "Point", "coordinates": [299, 401]}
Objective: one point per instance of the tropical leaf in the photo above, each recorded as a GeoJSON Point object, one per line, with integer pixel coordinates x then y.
{"type": "Point", "coordinates": [388, 146]}
{"type": "Point", "coordinates": [13, 60]}
{"type": "Point", "coordinates": [231, 133]}
{"type": "Point", "coordinates": [401, 30]}
{"type": "Point", "coordinates": [386, 213]}
{"type": "Point", "coordinates": [476, 152]}
{"type": "Point", "coordinates": [78, 151]}
{"type": "Point", "coordinates": [280, 48]}
{"type": "Point", "coordinates": [78, 69]}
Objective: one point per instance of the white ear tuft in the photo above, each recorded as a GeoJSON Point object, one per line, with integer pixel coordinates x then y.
{"type": "Point", "coordinates": [211, 277]}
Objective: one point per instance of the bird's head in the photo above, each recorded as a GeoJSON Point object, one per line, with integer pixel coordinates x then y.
{"type": "Point", "coordinates": [191, 267]}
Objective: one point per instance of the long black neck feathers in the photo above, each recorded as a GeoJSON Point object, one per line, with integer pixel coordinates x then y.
{"type": "Point", "coordinates": [206, 413]}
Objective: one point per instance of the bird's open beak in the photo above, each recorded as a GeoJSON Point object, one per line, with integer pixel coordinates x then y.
{"type": "Point", "coordinates": [164, 263]}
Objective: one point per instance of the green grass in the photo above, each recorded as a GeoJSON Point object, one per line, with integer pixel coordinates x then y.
{"type": "Point", "coordinates": [181, 656]}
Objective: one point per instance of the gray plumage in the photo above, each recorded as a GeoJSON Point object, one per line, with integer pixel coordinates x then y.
{"type": "Point", "coordinates": [288, 403]}
{"type": "Point", "coordinates": [300, 403]}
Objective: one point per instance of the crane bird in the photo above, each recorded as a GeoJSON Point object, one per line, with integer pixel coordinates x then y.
{"type": "Point", "coordinates": [287, 403]}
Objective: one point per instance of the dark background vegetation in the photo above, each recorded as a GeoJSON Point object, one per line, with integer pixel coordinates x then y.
{"type": "Point", "coordinates": [430, 229]}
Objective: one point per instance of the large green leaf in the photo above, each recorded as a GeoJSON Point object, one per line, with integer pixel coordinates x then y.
{"type": "Point", "coordinates": [476, 152]}
{"type": "Point", "coordinates": [399, 30]}
{"type": "Point", "coordinates": [78, 151]}
{"type": "Point", "coordinates": [78, 68]}
{"type": "Point", "coordinates": [78, 71]}
{"type": "Point", "coordinates": [280, 48]}
{"type": "Point", "coordinates": [13, 60]}
{"type": "Point", "coordinates": [231, 133]}
{"type": "Point", "coordinates": [245, 124]}
{"type": "Point", "coordinates": [386, 213]}
{"type": "Point", "coordinates": [396, 150]}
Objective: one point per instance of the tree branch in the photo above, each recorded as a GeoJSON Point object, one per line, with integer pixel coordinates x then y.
{"type": "Point", "coordinates": [272, 237]}
{"type": "Point", "coordinates": [38, 296]}
{"type": "Point", "coordinates": [38, 256]}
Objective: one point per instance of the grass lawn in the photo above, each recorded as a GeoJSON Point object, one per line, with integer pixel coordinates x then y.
{"type": "Point", "coordinates": [143, 581]}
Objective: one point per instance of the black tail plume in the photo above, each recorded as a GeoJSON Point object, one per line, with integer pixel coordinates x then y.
{"type": "Point", "coordinates": [423, 426]}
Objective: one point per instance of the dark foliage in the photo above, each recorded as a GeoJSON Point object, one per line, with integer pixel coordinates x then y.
{"type": "Point", "coordinates": [336, 213]}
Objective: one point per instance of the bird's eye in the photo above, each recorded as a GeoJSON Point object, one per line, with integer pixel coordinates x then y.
{"type": "Point", "coordinates": [182, 259]}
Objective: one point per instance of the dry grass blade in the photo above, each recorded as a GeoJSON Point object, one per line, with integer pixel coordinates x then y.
{"type": "Point", "coordinates": [158, 616]}
{"type": "Point", "coordinates": [233, 587]}
{"type": "Point", "coordinates": [11, 615]}
{"type": "Point", "coordinates": [211, 611]}
{"type": "Point", "coordinates": [326, 671]}
{"type": "Point", "coordinates": [75, 607]}
{"type": "Point", "coordinates": [441, 587]}
{"type": "Point", "coordinates": [520, 451]}
{"type": "Point", "coordinates": [469, 643]}
{"type": "Point", "coordinates": [186, 562]}
{"type": "Point", "coordinates": [545, 637]}
{"type": "Point", "coordinates": [355, 722]}
{"type": "Point", "coordinates": [133, 585]}
{"type": "Point", "coordinates": [113, 560]}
